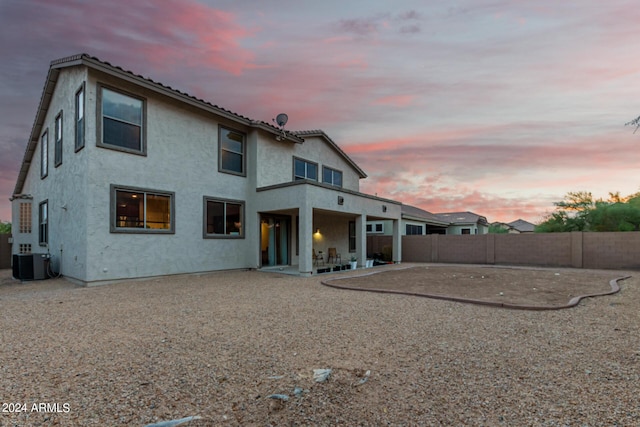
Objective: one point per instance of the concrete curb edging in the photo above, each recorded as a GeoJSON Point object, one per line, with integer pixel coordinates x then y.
{"type": "Point", "coordinates": [615, 288]}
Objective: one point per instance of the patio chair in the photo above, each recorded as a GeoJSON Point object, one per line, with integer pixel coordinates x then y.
{"type": "Point", "coordinates": [317, 258]}
{"type": "Point", "coordinates": [334, 256]}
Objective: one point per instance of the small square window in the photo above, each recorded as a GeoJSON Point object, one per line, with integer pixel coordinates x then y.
{"type": "Point", "coordinates": [303, 169]}
{"type": "Point", "coordinates": [223, 218]}
{"type": "Point", "coordinates": [331, 176]}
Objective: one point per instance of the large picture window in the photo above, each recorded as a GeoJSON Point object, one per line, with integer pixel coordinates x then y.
{"type": "Point", "coordinates": [79, 121]}
{"type": "Point", "coordinates": [43, 221]}
{"type": "Point", "coordinates": [122, 121]}
{"type": "Point", "coordinates": [232, 151]}
{"type": "Point", "coordinates": [303, 169]}
{"type": "Point", "coordinates": [223, 218]}
{"type": "Point", "coordinates": [331, 176]}
{"type": "Point", "coordinates": [136, 210]}
{"type": "Point", "coordinates": [44, 154]}
{"type": "Point", "coordinates": [58, 140]}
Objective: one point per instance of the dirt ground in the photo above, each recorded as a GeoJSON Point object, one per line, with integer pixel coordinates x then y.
{"type": "Point", "coordinates": [541, 288]}
{"type": "Point", "coordinates": [241, 348]}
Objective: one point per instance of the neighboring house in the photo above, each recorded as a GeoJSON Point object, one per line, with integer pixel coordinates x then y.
{"type": "Point", "coordinates": [414, 221]}
{"type": "Point", "coordinates": [516, 227]}
{"type": "Point", "coordinates": [464, 223]}
{"type": "Point", "coordinates": [124, 177]}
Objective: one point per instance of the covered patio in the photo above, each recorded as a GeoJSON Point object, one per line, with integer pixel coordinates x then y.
{"type": "Point", "coordinates": [318, 217]}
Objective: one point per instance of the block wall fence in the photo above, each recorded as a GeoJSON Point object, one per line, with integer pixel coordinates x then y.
{"type": "Point", "coordinates": [601, 250]}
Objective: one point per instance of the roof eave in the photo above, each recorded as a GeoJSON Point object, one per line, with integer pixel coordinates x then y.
{"type": "Point", "coordinates": [104, 67]}
{"type": "Point", "coordinates": [335, 146]}
{"type": "Point", "coordinates": [36, 129]}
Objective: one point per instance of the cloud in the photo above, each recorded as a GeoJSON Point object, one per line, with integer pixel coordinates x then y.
{"type": "Point", "coordinates": [179, 32]}
{"type": "Point", "coordinates": [360, 27]}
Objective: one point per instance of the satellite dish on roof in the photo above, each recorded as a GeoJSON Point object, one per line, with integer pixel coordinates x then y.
{"type": "Point", "coordinates": [281, 119]}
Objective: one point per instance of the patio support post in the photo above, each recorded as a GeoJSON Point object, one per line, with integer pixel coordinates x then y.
{"type": "Point", "coordinates": [361, 240]}
{"type": "Point", "coordinates": [396, 248]}
{"type": "Point", "coordinates": [305, 261]}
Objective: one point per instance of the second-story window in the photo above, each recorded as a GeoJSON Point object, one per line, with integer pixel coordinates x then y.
{"type": "Point", "coordinates": [331, 176]}
{"type": "Point", "coordinates": [58, 141]}
{"type": "Point", "coordinates": [44, 154]}
{"type": "Point", "coordinates": [122, 120]}
{"type": "Point", "coordinates": [231, 151]}
{"type": "Point", "coordinates": [80, 118]}
{"type": "Point", "coordinates": [303, 169]}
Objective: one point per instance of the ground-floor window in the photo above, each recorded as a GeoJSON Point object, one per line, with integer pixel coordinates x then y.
{"type": "Point", "coordinates": [413, 230]}
{"type": "Point", "coordinates": [136, 210]}
{"type": "Point", "coordinates": [375, 227]}
{"type": "Point", "coordinates": [223, 218]}
{"type": "Point", "coordinates": [43, 221]}
{"type": "Point", "coordinates": [466, 231]}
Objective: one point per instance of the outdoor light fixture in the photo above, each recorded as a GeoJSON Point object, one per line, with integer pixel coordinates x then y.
{"type": "Point", "coordinates": [384, 208]}
{"type": "Point", "coordinates": [317, 231]}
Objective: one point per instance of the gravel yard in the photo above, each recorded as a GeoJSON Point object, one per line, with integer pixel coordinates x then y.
{"type": "Point", "coordinates": [219, 345]}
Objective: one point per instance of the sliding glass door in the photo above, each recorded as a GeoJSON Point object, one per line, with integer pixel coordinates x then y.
{"type": "Point", "coordinates": [274, 240]}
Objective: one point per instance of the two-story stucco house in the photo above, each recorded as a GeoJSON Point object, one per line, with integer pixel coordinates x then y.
{"type": "Point", "coordinates": [124, 177]}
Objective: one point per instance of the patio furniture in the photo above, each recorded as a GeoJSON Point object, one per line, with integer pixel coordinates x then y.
{"type": "Point", "coordinates": [334, 256]}
{"type": "Point", "coordinates": [318, 257]}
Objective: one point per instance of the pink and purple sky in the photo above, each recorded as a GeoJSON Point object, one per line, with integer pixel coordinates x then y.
{"type": "Point", "coordinates": [491, 106]}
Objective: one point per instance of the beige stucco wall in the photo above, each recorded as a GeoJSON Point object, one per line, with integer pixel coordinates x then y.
{"type": "Point", "coordinates": [181, 158]}
{"type": "Point", "coordinates": [65, 186]}
{"type": "Point", "coordinates": [276, 161]}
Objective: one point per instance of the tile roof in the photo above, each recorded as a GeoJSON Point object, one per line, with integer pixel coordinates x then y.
{"type": "Point", "coordinates": [412, 212]}
{"type": "Point", "coordinates": [103, 66]}
{"type": "Point", "coordinates": [522, 226]}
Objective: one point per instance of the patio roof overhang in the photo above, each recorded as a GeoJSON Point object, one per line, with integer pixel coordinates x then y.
{"type": "Point", "coordinates": [320, 196]}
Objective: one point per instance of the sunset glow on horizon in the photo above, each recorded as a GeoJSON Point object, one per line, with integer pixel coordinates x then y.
{"type": "Point", "coordinates": [499, 108]}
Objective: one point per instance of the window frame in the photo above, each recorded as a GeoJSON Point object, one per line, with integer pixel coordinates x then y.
{"type": "Point", "coordinates": [333, 173]}
{"type": "Point", "coordinates": [43, 223]}
{"type": "Point", "coordinates": [377, 227]}
{"type": "Point", "coordinates": [58, 135]}
{"type": "Point", "coordinates": [206, 235]}
{"type": "Point", "coordinates": [414, 227]}
{"type": "Point", "coordinates": [353, 234]}
{"type": "Point", "coordinates": [80, 138]}
{"type": "Point", "coordinates": [306, 163]}
{"type": "Point", "coordinates": [243, 172]}
{"type": "Point", "coordinates": [44, 154]}
{"type": "Point", "coordinates": [100, 121]}
{"type": "Point", "coordinates": [113, 210]}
